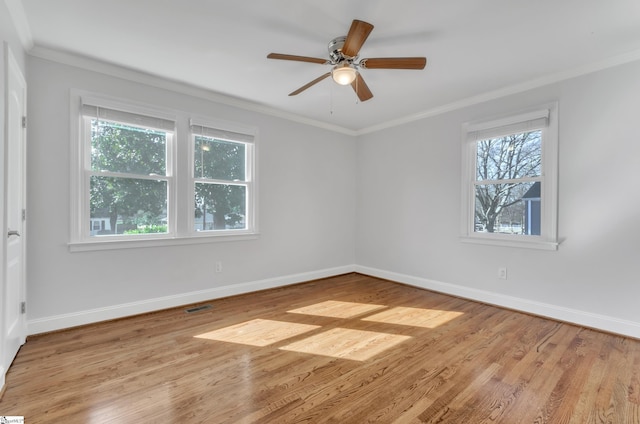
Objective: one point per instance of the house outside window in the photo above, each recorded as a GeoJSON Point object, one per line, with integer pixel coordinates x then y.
{"type": "Point", "coordinates": [531, 212]}
{"type": "Point", "coordinates": [510, 180]}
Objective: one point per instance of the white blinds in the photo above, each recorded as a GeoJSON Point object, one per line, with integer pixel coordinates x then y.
{"type": "Point", "coordinates": [205, 130]}
{"type": "Point", "coordinates": [120, 116]}
{"type": "Point", "coordinates": [515, 124]}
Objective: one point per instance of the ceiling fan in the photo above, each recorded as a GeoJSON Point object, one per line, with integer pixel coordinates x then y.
{"type": "Point", "coordinates": [343, 57]}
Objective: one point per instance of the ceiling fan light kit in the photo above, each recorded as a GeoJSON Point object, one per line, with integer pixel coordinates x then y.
{"type": "Point", "coordinates": [344, 74]}
{"type": "Point", "coordinates": [343, 56]}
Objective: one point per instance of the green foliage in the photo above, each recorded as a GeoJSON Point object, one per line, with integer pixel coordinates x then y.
{"type": "Point", "coordinates": [223, 161]}
{"type": "Point", "coordinates": [127, 149]}
{"type": "Point", "coordinates": [130, 151]}
{"type": "Point", "coordinates": [150, 229]}
{"type": "Point", "coordinates": [122, 159]}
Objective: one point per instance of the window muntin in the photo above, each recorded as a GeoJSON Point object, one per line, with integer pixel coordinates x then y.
{"type": "Point", "coordinates": [222, 183]}
{"type": "Point", "coordinates": [510, 180]}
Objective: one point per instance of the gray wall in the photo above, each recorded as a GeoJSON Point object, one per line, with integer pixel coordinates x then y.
{"type": "Point", "coordinates": [306, 212]}
{"type": "Point", "coordinates": [408, 226]}
{"type": "Point", "coordinates": [385, 203]}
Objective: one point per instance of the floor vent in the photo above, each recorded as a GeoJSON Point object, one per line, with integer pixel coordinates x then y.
{"type": "Point", "coordinates": [197, 309]}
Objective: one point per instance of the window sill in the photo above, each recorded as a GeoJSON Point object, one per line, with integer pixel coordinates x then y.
{"type": "Point", "coordinates": [84, 246]}
{"type": "Point", "coordinates": [502, 242]}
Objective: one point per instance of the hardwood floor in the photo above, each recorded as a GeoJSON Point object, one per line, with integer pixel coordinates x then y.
{"type": "Point", "coordinates": [348, 349]}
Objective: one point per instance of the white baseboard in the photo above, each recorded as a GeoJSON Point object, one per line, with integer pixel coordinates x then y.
{"type": "Point", "coordinates": [59, 322]}
{"type": "Point", "coordinates": [3, 373]}
{"type": "Point", "coordinates": [578, 317]}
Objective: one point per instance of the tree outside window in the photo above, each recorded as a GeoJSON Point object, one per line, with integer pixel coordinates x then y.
{"type": "Point", "coordinates": [506, 169]}
{"type": "Point", "coordinates": [127, 187]}
{"type": "Point", "coordinates": [220, 184]}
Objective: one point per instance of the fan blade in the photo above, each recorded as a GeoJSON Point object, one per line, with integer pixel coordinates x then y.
{"type": "Point", "coordinates": [297, 58]}
{"type": "Point", "coordinates": [314, 82]}
{"type": "Point", "coordinates": [394, 63]}
{"type": "Point", "coordinates": [358, 34]}
{"type": "Point", "coordinates": [361, 88]}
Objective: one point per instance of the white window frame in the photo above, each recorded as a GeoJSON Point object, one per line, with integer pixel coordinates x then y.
{"type": "Point", "coordinates": [111, 110]}
{"type": "Point", "coordinates": [545, 118]}
{"type": "Point", "coordinates": [235, 133]}
{"type": "Point", "coordinates": [179, 170]}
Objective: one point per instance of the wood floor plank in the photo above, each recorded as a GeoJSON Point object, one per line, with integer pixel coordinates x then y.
{"type": "Point", "coordinates": [348, 349]}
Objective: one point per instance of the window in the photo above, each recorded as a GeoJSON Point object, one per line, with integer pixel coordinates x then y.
{"type": "Point", "coordinates": [131, 191]}
{"type": "Point", "coordinates": [222, 180]}
{"type": "Point", "coordinates": [126, 178]}
{"type": "Point", "coordinates": [510, 180]}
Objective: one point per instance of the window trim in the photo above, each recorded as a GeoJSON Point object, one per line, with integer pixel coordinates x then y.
{"type": "Point", "coordinates": [505, 125]}
{"type": "Point", "coordinates": [179, 171]}
{"type": "Point", "coordinates": [145, 119]}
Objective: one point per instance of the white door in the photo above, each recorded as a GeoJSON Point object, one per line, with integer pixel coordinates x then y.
{"type": "Point", "coordinates": [14, 327]}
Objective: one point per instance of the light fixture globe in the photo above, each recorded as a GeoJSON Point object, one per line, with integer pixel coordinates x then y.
{"type": "Point", "coordinates": [344, 74]}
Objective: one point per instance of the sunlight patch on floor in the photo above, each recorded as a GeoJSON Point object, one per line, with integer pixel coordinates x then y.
{"type": "Point", "coordinates": [345, 343]}
{"type": "Point", "coordinates": [258, 332]}
{"type": "Point", "coordinates": [337, 309]}
{"type": "Point", "coordinates": [416, 317]}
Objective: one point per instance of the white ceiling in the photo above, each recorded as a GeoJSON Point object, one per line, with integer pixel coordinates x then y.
{"type": "Point", "coordinates": [475, 49]}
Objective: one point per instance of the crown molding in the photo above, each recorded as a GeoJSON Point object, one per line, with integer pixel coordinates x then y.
{"type": "Point", "coordinates": [161, 82]}
{"type": "Point", "coordinates": [96, 65]}
{"type": "Point", "coordinates": [507, 91]}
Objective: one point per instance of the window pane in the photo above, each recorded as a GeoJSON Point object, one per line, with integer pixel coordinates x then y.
{"type": "Point", "coordinates": [220, 207]}
{"type": "Point", "coordinates": [128, 205]}
{"type": "Point", "coordinates": [510, 157]}
{"type": "Point", "coordinates": [220, 160]}
{"type": "Point", "coordinates": [508, 208]}
{"type": "Point", "coordinates": [127, 149]}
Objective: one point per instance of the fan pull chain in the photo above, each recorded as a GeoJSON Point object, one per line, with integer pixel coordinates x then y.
{"type": "Point", "coordinates": [331, 100]}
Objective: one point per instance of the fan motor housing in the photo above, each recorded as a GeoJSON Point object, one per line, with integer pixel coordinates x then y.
{"type": "Point", "coordinates": [335, 50]}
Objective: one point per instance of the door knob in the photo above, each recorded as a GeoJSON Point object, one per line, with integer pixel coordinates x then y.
{"type": "Point", "coordinates": [13, 233]}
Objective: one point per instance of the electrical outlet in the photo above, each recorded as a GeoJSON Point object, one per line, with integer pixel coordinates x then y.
{"type": "Point", "coordinates": [219, 266]}
{"type": "Point", "coordinates": [502, 273]}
